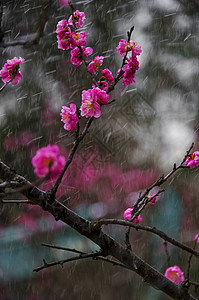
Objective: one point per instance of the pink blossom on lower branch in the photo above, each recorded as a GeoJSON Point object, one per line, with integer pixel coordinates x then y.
{"type": "Point", "coordinates": [69, 117]}
{"type": "Point", "coordinates": [152, 202]}
{"type": "Point", "coordinates": [127, 216]}
{"type": "Point", "coordinates": [10, 70]}
{"type": "Point", "coordinates": [192, 160]}
{"type": "Point", "coordinates": [79, 18]}
{"type": "Point", "coordinates": [196, 238]}
{"type": "Point", "coordinates": [48, 159]}
{"type": "Point", "coordinates": [174, 274]}
{"type": "Point", "coordinates": [90, 107]}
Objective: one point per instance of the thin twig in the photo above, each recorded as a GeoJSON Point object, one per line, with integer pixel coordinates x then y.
{"type": "Point", "coordinates": [70, 158]}
{"type": "Point", "coordinates": [97, 225]}
{"type": "Point", "coordinates": [127, 239]}
{"type": "Point", "coordinates": [145, 201]}
{"type": "Point", "coordinates": [160, 181]}
{"type": "Point", "coordinates": [82, 255]}
{"type": "Point", "coordinates": [62, 248]}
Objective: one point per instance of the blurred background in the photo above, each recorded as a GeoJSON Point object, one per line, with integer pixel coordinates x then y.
{"type": "Point", "coordinates": [139, 137]}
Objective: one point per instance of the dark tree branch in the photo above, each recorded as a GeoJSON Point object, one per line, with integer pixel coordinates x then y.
{"type": "Point", "coordinates": [63, 261]}
{"type": "Point", "coordinates": [105, 242]}
{"type": "Point", "coordinates": [189, 261]}
{"type": "Point", "coordinates": [154, 230]}
{"type": "Point", "coordinates": [113, 262]}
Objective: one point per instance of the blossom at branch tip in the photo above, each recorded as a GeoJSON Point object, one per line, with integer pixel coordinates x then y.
{"type": "Point", "coordinates": [192, 160]}
{"type": "Point", "coordinates": [79, 18]}
{"type": "Point", "coordinates": [69, 117]}
{"type": "Point", "coordinates": [90, 107]}
{"type": "Point", "coordinates": [107, 75]}
{"type": "Point", "coordinates": [48, 159]}
{"type": "Point", "coordinates": [127, 216]}
{"type": "Point", "coordinates": [126, 46]}
{"type": "Point", "coordinates": [196, 238]}
{"type": "Point", "coordinates": [152, 202]}
{"type": "Point", "coordinates": [10, 70]}
{"type": "Point", "coordinates": [64, 2]}
{"type": "Point", "coordinates": [102, 96]}
{"type": "Point", "coordinates": [95, 64]}
{"type": "Point", "coordinates": [76, 56]}
{"type": "Point", "coordinates": [174, 274]}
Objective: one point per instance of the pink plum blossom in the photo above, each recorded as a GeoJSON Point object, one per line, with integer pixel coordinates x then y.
{"type": "Point", "coordinates": [78, 39]}
{"type": "Point", "coordinates": [76, 56]}
{"type": "Point", "coordinates": [69, 117]}
{"type": "Point", "coordinates": [174, 274]}
{"type": "Point", "coordinates": [129, 70]}
{"type": "Point", "coordinates": [48, 159]}
{"type": "Point", "coordinates": [127, 216]}
{"type": "Point", "coordinates": [103, 85]}
{"type": "Point", "coordinates": [125, 46]}
{"type": "Point", "coordinates": [102, 96]}
{"type": "Point", "coordinates": [64, 35]}
{"type": "Point", "coordinates": [107, 75]}
{"type": "Point", "coordinates": [152, 202]}
{"type": "Point", "coordinates": [79, 18]}
{"type": "Point", "coordinates": [192, 160]}
{"type": "Point", "coordinates": [196, 238]}
{"type": "Point", "coordinates": [64, 2]}
{"type": "Point", "coordinates": [90, 107]}
{"type": "Point", "coordinates": [95, 64]}
{"type": "Point", "coordinates": [10, 70]}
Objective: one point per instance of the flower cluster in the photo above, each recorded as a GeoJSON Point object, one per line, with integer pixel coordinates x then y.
{"type": "Point", "coordinates": [131, 64]}
{"type": "Point", "coordinates": [67, 39]}
{"type": "Point", "coordinates": [174, 274]}
{"type": "Point", "coordinates": [192, 160]}
{"type": "Point", "coordinates": [92, 99]}
{"type": "Point", "coordinates": [127, 216]}
{"type": "Point", "coordinates": [48, 159]}
{"type": "Point", "coordinates": [10, 71]}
